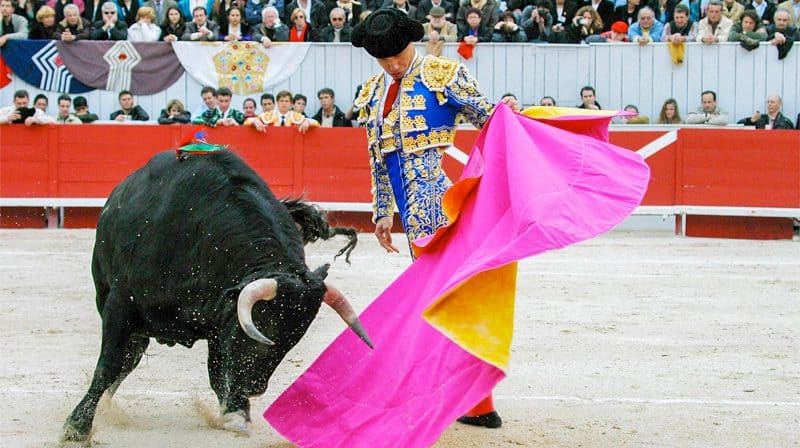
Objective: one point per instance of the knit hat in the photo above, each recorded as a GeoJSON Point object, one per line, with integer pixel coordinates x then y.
{"type": "Point", "coordinates": [620, 27]}
{"type": "Point", "coordinates": [386, 33]}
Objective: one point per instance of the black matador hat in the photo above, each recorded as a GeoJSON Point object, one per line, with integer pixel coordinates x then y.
{"type": "Point", "coordinates": [386, 32]}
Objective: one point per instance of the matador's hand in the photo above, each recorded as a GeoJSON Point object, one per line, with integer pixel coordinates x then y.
{"type": "Point", "coordinates": [383, 230]}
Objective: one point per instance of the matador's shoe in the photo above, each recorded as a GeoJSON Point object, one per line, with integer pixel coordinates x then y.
{"type": "Point", "coordinates": [488, 420]}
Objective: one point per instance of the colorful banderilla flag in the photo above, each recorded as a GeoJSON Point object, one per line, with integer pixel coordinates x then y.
{"type": "Point", "coordinates": [442, 331]}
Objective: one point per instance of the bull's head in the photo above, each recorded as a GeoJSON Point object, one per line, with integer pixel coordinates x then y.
{"type": "Point", "coordinates": [266, 289]}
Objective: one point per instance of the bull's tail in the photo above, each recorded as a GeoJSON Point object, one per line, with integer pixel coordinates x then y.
{"type": "Point", "coordinates": [314, 225]}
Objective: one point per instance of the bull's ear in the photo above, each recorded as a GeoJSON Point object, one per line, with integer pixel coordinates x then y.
{"type": "Point", "coordinates": [322, 271]}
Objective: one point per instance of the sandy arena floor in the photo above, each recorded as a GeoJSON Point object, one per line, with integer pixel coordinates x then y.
{"type": "Point", "coordinates": [638, 339]}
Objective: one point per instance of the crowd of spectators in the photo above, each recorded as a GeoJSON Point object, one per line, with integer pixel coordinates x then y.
{"type": "Point", "coordinates": [286, 109]}
{"type": "Point", "coordinates": [468, 21]}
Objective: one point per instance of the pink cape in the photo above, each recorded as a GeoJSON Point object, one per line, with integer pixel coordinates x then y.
{"type": "Point", "coordinates": [528, 187]}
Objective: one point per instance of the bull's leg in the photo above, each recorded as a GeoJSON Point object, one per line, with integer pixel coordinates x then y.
{"type": "Point", "coordinates": [130, 359]}
{"type": "Point", "coordinates": [216, 370]}
{"type": "Point", "coordinates": [116, 334]}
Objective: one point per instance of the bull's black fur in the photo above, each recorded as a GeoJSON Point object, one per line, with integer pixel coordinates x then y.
{"type": "Point", "coordinates": [314, 226]}
{"type": "Point", "coordinates": [176, 243]}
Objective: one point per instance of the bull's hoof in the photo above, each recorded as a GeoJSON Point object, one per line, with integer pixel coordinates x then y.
{"type": "Point", "coordinates": [74, 435]}
{"type": "Point", "coordinates": [236, 423]}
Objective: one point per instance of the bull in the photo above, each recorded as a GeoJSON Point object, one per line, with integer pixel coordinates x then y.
{"type": "Point", "coordinates": [198, 247]}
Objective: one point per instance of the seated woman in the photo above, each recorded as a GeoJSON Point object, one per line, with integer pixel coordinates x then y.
{"type": "Point", "coordinates": [235, 29]}
{"type": "Point", "coordinates": [585, 23]}
{"type": "Point", "coordinates": [301, 30]}
{"type": "Point", "coordinates": [44, 27]}
{"type": "Point", "coordinates": [175, 113]}
{"type": "Point", "coordinates": [669, 113]}
{"type": "Point", "coordinates": [474, 31]}
{"type": "Point", "coordinates": [145, 29]}
{"type": "Point", "coordinates": [173, 26]}
{"type": "Point", "coordinates": [749, 31]}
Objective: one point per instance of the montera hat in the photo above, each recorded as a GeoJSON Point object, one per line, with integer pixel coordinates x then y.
{"type": "Point", "coordinates": [386, 33]}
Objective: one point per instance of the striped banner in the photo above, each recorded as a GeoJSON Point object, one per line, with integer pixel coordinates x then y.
{"type": "Point", "coordinates": [47, 70]}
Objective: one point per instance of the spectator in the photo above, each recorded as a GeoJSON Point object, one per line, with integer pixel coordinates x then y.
{"type": "Point", "coordinates": [547, 101]}
{"type": "Point", "coordinates": [474, 30]}
{"type": "Point", "coordinates": [20, 112]}
{"type": "Point", "coordinates": [73, 27]}
{"type": "Point", "coordinates": [507, 30]}
{"type": "Point", "coordinates": [781, 33]}
{"type": "Point", "coordinates": [585, 23]}
{"type": "Point", "coordinates": [235, 28]}
{"type": "Point", "coordinates": [634, 119]}
{"type": "Point", "coordinates": [511, 100]}
{"type": "Point", "coordinates": [127, 11]}
{"type": "Point", "coordinates": [111, 28]}
{"type": "Point", "coordinates": [301, 30]}
{"type": "Point", "coordinates": [765, 10]}
{"type": "Point", "coordinates": [329, 115]}
{"type": "Point", "coordinates": [588, 99]}
{"type": "Point", "coordinates": [749, 31]}
{"type": "Point", "coordinates": [732, 9]}
{"type": "Point", "coordinates": [200, 29]}
{"type": "Point", "coordinates": [618, 33]}
{"type": "Point", "coordinates": [58, 6]}
{"type": "Point", "coordinates": [12, 26]}
{"type": "Point", "coordinates": [664, 10]}
{"type": "Point", "coordinates": [82, 110]}
{"type": "Point", "coordinates": [174, 113]}
{"type": "Point", "coordinates": [129, 110]}
{"type": "Point", "coordinates": [249, 108]}
{"type": "Point", "coordinates": [773, 119]}
{"type": "Point", "coordinates": [352, 11]}
{"type": "Point", "coordinates": [92, 11]}
{"type": "Point", "coordinates": [604, 9]}
{"type": "Point", "coordinates": [793, 8]}
{"type": "Point", "coordinates": [271, 29]}
{"type": "Point", "coordinates": [299, 102]}
{"type": "Point", "coordinates": [715, 27]}
{"type": "Point", "coordinates": [284, 116]}
{"type": "Point", "coordinates": [680, 29]}
{"type": "Point", "coordinates": [40, 102]}
{"type": "Point", "coordinates": [220, 9]}
{"type": "Point", "coordinates": [145, 29]}
{"type": "Point", "coordinates": [669, 113]}
{"type": "Point", "coordinates": [254, 10]}
{"type": "Point", "coordinates": [562, 12]}
{"type": "Point", "coordinates": [44, 27]}
{"type": "Point", "coordinates": [488, 14]}
{"type": "Point", "coordinates": [438, 31]}
{"type": "Point", "coordinates": [647, 29]}
{"type": "Point", "coordinates": [223, 114]}
{"type": "Point", "coordinates": [188, 7]}
{"type": "Point", "coordinates": [173, 26]}
{"type": "Point", "coordinates": [402, 5]}
{"type": "Point", "coordinates": [338, 30]}
{"type": "Point", "coordinates": [64, 115]}
{"type": "Point", "coordinates": [209, 96]}
{"type": "Point", "coordinates": [708, 113]}
{"type": "Point", "coordinates": [28, 8]}
{"type": "Point", "coordinates": [424, 8]}
{"type": "Point", "coordinates": [538, 23]}
{"type": "Point", "coordinates": [317, 18]}
{"type": "Point", "coordinates": [267, 102]}
{"type": "Point", "coordinates": [628, 13]}
{"type": "Point", "coordinates": [161, 7]}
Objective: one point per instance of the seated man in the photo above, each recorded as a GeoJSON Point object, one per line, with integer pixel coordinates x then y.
{"type": "Point", "coordinates": [708, 113]}
{"type": "Point", "coordinates": [110, 28]}
{"type": "Point", "coordinates": [773, 119]}
{"type": "Point", "coordinates": [200, 28]}
{"type": "Point", "coordinates": [129, 110]}
{"type": "Point", "coordinates": [270, 29]}
{"type": "Point", "coordinates": [267, 102]}
{"type": "Point", "coordinates": [781, 33]}
{"type": "Point", "coordinates": [680, 29]}
{"type": "Point", "coordinates": [82, 110]}
{"type": "Point", "coordinates": [715, 27]}
{"type": "Point", "coordinates": [73, 27]}
{"type": "Point", "coordinates": [64, 115]}
{"type": "Point", "coordinates": [338, 30]}
{"type": "Point", "coordinates": [647, 29]}
{"type": "Point", "coordinates": [20, 112]}
{"type": "Point", "coordinates": [588, 99]}
{"type": "Point", "coordinates": [223, 114]}
{"type": "Point", "coordinates": [12, 26]}
{"type": "Point", "coordinates": [329, 115]}
{"type": "Point", "coordinates": [284, 116]}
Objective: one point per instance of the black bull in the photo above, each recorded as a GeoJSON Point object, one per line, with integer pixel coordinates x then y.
{"type": "Point", "coordinates": [200, 248]}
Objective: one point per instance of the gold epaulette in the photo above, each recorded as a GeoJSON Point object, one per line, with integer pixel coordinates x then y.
{"type": "Point", "coordinates": [367, 89]}
{"type": "Point", "coordinates": [438, 72]}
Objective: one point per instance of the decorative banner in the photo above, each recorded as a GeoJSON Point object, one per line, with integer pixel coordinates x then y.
{"type": "Point", "coordinates": [5, 79]}
{"type": "Point", "coordinates": [144, 68]}
{"type": "Point", "coordinates": [442, 330]}
{"type": "Point", "coordinates": [47, 72]}
{"type": "Point", "coordinates": [244, 67]}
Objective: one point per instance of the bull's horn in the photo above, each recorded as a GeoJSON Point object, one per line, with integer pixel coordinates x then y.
{"type": "Point", "coordinates": [336, 300]}
{"type": "Point", "coordinates": [261, 289]}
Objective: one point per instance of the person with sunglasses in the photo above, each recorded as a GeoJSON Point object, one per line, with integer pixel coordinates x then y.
{"type": "Point", "coordinates": [338, 30]}
{"type": "Point", "coordinates": [110, 28]}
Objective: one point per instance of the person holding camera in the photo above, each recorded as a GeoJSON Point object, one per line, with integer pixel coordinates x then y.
{"type": "Point", "coordinates": [585, 23]}
{"type": "Point", "coordinates": [507, 30]}
{"type": "Point", "coordinates": [539, 24]}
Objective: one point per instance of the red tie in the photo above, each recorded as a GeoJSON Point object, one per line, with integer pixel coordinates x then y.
{"type": "Point", "coordinates": [390, 97]}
